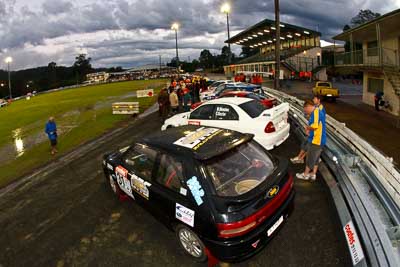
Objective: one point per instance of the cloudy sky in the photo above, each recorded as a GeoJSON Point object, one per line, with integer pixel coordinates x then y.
{"type": "Point", "coordinates": [134, 32]}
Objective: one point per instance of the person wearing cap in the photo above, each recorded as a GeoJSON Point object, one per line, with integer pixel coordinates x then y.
{"type": "Point", "coordinates": [51, 131]}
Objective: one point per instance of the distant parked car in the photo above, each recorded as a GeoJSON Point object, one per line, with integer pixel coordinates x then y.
{"type": "Point", "coordinates": [236, 86]}
{"type": "Point", "coordinates": [326, 90]}
{"type": "Point", "coordinates": [3, 103]}
{"type": "Point", "coordinates": [266, 101]}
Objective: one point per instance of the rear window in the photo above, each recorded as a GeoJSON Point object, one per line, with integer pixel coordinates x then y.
{"type": "Point", "coordinates": [240, 170]}
{"type": "Point", "coordinates": [324, 84]}
{"type": "Point", "coordinates": [253, 108]}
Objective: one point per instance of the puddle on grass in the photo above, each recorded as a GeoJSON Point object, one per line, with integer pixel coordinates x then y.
{"type": "Point", "coordinates": [23, 139]}
{"type": "Point", "coordinates": [18, 142]}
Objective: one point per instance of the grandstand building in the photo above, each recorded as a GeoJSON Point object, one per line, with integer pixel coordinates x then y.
{"type": "Point", "coordinates": [97, 77]}
{"type": "Point", "coordinates": [300, 51]}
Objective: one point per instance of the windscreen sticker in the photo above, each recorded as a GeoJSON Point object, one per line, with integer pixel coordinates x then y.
{"type": "Point", "coordinates": [123, 180]}
{"type": "Point", "coordinates": [184, 214]}
{"type": "Point", "coordinates": [140, 186]}
{"type": "Point", "coordinates": [183, 191]}
{"type": "Point", "coordinates": [196, 189]}
{"type": "Point", "coordinates": [198, 138]}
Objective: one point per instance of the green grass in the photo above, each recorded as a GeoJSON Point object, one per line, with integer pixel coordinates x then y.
{"type": "Point", "coordinates": [87, 108]}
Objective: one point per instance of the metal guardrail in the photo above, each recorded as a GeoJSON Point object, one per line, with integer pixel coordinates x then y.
{"type": "Point", "coordinates": [365, 186]}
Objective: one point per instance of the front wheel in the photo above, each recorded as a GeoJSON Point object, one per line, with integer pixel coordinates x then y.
{"type": "Point", "coordinates": [191, 243]}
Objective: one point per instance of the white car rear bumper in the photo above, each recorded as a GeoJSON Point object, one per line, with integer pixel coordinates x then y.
{"type": "Point", "coordinates": [271, 140]}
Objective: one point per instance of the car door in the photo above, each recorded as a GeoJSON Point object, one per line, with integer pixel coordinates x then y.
{"type": "Point", "coordinates": [225, 116]}
{"type": "Point", "coordinates": [202, 115]}
{"type": "Point", "coordinates": [169, 195]}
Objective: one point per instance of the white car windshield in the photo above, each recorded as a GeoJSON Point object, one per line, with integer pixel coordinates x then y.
{"type": "Point", "coordinates": [240, 170]}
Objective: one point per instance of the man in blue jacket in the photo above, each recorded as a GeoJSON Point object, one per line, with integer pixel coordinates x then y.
{"type": "Point", "coordinates": [51, 131]}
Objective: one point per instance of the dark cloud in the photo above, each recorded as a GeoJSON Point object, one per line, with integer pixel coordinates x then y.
{"type": "Point", "coordinates": [56, 7]}
{"type": "Point", "coordinates": [135, 31]}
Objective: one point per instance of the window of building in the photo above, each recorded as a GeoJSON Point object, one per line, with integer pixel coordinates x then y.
{"type": "Point", "coordinates": [375, 85]}
{"type": "Point", "coordinates": [372, 48]}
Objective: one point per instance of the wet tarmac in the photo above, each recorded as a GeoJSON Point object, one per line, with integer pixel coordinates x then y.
{"type": "Point", "coordinates": [69, 217]}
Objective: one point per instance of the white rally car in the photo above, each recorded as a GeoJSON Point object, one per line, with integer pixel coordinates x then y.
{"type": "Point", "coordinates": [212, 88]}
{"type": "Point", "coordinates": [269, 126]}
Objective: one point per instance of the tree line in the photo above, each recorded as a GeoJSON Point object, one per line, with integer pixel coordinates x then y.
{"type": "Point", "coordinates": [46, 77]}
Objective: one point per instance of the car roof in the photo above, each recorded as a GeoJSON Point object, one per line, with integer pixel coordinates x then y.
{"type": "Point", "coordinates": [198, 142]}
{"type": "Point", "coordinates": [230, 100]}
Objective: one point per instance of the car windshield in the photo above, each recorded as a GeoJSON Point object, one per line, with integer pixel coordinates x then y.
{"type": "Point", "coordinates": [253, 108]}
{"type": "Point", "coordinates": [240, 170]}
{"type": "Point", "coordinates": [216, 84]}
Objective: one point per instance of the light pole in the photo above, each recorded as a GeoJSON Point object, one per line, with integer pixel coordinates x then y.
{"type": "Point", "coordinates": [175, 27]}
{"type": "Point", "coordinates": [226, 8]}
{"type": "Point", "coordinates": [8, 60]}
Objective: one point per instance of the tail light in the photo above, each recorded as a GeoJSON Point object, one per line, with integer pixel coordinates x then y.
{"type": "Point", "coordinates": [270, 128]}
{"type": "Point", "coordinates": [233, 229]}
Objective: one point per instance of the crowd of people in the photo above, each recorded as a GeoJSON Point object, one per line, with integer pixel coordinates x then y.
{"type": "Point", "coordinates": [180, 94]}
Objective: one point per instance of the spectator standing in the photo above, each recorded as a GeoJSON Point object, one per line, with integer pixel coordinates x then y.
{"type": "Point", "coordinates": [305, 145]}
{"type": "Point", "coordinates": [173, 100]}
{"type": "Point", "coordinates": [163, 104]}
{"type": "Point", "coordinates": [316, 140]}
{"type": "Point", "coordinates": [197, 91]}
{"type": "Point", "coordinates": [51, 131]}
{"type": "Point", "coordinates": [378, 98]}
{"type": "Point", "coordinates": [186, 99]}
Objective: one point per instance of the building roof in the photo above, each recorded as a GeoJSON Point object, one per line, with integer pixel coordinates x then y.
{"type": "Point", "coordinates": [264, 32]}
{"type": "Point", "coordinates": [389, 22]}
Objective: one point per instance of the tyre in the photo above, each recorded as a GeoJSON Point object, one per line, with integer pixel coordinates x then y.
{"type": "Point", "coordinates": [191, 243]}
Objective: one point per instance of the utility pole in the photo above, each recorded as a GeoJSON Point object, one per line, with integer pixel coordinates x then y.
{"type": "Point", "coordinates": [175, 27]}
{"type": "Point", "coordinates": [8, 60]}
{"type": "Point", "coordinates": [160, 64]}
{"type": "Point", "coordinates": [9, 80]}
{"type": "Point", "coordinates": [277, 46]}
{"type": "Point", "coordinates": [229, 37]}
{"type": "Point", "coordinates": [226, 8]}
